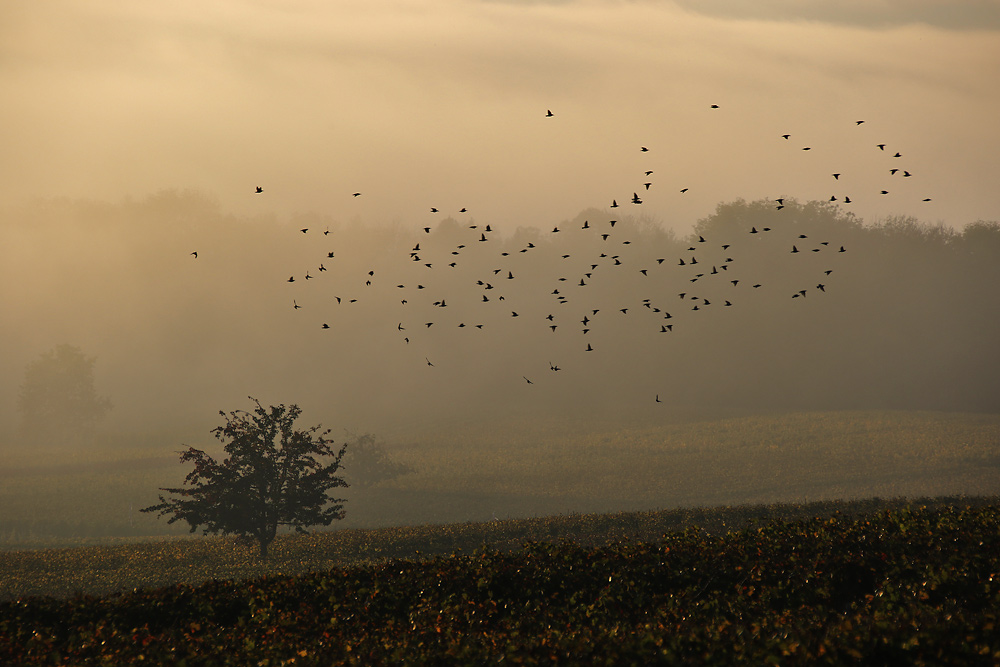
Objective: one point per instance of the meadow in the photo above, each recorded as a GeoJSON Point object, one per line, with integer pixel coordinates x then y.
{"type": "Point", "coordinates": [487, 467]}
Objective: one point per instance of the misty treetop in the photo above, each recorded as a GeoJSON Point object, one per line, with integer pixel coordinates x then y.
{"type": "Point", "coordinates": [766, 302]}
{"type": "Point", "coordinates": [907, 318]}
{"type": "Point", "coordinates": [58, 402]}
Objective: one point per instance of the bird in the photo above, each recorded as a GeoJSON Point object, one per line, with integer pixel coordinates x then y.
{"type": "Point", "coordinates": [614, 203]}
{"type": "Point", "coordinates": [356, 194]}
{"type": "Point", "coordinates": [785, 136]}
{"type": "Point", "coordinates": [658, 399]}
{"type": "Point", "coordinates": [836, 176]}
{"type": "Point", "coordinates": [195, 253]}
{"type": "Point", "coordinates": [428, 361]}
{"type": "Point", "coordinates": [714, 106]}
{"type": "Point", "coordinates": [684, 189]}
{"type": "Point", "coordinates": [259, 189]}
{"type": "Point", "coordinates": [643, 149]}
{"type": "Point", "coordinates": [295, 305]}
{"type": "Point", "coordinates": [527, 380]}
{"type": "Point", "coordinates": [548, 113]}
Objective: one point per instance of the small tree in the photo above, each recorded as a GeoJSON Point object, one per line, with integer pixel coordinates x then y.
{"type": "Point", "coordinates": [58, 403]}
{"type": "Point", "coordinates": [271, 478]}
{"type": "Point", "coordinates": [367, 463]}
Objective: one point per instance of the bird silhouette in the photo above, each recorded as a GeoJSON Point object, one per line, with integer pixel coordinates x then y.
{"type": "Point", "coordinates": [259, 189]}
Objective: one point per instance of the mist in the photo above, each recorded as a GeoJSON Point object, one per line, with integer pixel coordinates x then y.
{"type": "Point", "coordinates": [412, 216]}
{"type": "Point", "coordinates": [405, 324]}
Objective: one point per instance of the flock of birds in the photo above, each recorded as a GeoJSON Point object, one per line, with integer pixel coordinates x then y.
{"type": "Point", "coordinates": [469, 262]}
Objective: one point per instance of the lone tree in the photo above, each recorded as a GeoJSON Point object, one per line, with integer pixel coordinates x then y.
{"type": "Point", "coordinates": [58, 403]}
{"type": "Point", "coordinates": [271, 478]}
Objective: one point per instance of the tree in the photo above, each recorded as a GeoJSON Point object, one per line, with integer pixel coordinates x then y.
{"type": "Point", "coordinates": [58, 401]}
{"type": "Point", "coordinates": [272, 477]}
{"type": "Point", "coordinates": [368, 464]}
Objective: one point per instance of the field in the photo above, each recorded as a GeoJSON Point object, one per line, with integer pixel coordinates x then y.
{"type": "Point", "coordinates": [703, 538]}
{"type": "Point", "coordinates": [869, 582]}
{"type": "Point", "coordinates": [529, 465]}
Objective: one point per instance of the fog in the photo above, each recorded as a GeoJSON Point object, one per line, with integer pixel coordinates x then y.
{"type": "Point", "coordinates": [407, 325]}
{"type": "Point", "coordinates": [409, 133]}
{"type": "Point", "coordinates": [421, 103]}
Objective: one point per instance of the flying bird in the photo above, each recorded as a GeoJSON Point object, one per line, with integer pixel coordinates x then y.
{"type": "Point", "coordinates": [548, 113]}
{"type": "Point", "coordinates": [259, 189]}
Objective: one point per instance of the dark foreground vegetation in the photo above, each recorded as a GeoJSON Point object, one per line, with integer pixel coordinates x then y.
{"type": "Point", "coordinates": [876, 583]}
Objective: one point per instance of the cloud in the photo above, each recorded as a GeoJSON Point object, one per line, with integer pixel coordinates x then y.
{"type": "Point", "coordinates": [422, 103]}
{"type": "Point", "coordinates": [947, 14]}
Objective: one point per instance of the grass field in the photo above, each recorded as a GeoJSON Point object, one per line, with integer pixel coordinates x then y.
{"type": "Point", "coordinates": [530, 466]}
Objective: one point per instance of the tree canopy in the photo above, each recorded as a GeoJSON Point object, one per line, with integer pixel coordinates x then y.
{"type": "Point", "coordinates": [273, 476]}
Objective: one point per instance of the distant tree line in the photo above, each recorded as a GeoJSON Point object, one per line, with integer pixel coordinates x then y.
{"type": "Point", "coordinates": [909, 318]}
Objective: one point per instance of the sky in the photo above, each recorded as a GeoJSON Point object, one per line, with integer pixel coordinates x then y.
{"type": "Point", "coordinates": [422, 104]}
{"type": "Point", "coordinates": [135, 134]}
{"type": "Point", "coordinates": [521, 113]}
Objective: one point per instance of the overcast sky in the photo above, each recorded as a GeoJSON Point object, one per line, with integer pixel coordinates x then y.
{"type": "Point", "coordinates": [442, 103]}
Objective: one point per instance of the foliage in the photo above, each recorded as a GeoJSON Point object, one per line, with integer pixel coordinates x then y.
{"type": "Point", "coordinates": [58, 403]}
{"type": "Point", "coordinates": [905, 585]}
{"type": "Point", "coordinates": [271, 478]}
{"type": "Point", "coordinates": [367, 463]}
